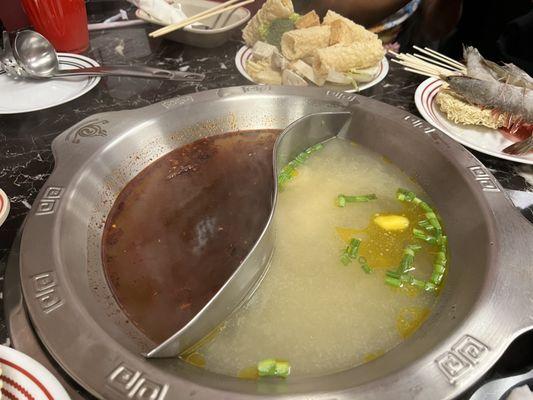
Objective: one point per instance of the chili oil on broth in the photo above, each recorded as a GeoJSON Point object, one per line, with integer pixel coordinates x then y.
{"type": "Point", "coordinates": [310, 309]}
{"type": "Point", "coordinates": [181, 227]}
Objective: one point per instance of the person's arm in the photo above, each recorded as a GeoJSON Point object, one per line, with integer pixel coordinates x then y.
{"type": "Point", "coordinates": [364, 12]}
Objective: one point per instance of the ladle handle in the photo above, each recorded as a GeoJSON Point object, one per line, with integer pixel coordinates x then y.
{"type": "Point", "coordinates": [134, 71]}
{"type": "Point", "coordinates": [497, 389]}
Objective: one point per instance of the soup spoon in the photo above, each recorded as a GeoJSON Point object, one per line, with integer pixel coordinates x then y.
{"type": "Point", "coordinates": [38, 59]}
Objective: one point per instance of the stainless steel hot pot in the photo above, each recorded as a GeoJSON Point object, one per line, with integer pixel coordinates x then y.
{"type": "Point", "coordinates": [486, 303]}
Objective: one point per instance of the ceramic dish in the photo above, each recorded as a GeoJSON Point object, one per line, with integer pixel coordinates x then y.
{"type": "Point", "coordinates": [245, 53]}
{"type": "Point", "coordinates": [31, 95]}
{"type": "Point", "coordinates": [4, 206]}
{"type": "Point", "coordinates": [222, 26]}
{"type": "Point", "coordinates": [485, 140]}
{"type": "Point", "coordinates": [24, 378]}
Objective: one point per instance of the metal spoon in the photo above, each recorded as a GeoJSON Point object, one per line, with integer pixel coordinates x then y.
{"type": "Point", "coordinates": [497, 389]}
{"type": "Point", "coordinates": [7, 60]}
{"type": "Point", "coordinates": [36, 55]}
{"type": "Point", "coordinates": [519, 148]}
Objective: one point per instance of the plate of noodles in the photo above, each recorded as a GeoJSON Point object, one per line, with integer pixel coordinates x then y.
{"type": "Point", "coordinates": [477, 137]}
{"type": "Point", "coordinates": [481, 104]}
{"type": "Point", "coordinates": [435, 109]}
{"type": "Point", "coordinates": [286, 48]}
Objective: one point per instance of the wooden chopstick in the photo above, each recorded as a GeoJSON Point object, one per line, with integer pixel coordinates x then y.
{"type": "Point", "coordinates": [442, 57]}
{"type": "Point", "coordinates": [418, 64]}
{"type": "Point", "coordinates": [436, 65]}
{"type": "Point", "coordinates": [435, 62]}
{"type": "Point", "coordinates": [421, 68]}
{"type": "Point", "coordinates": [420, 72]}
{"type": "Point", "coordinates": [227, 6]}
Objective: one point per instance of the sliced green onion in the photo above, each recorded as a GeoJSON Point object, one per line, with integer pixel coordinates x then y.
{"type": "Point", "coordinates": [342, 199]}
{"type": "Point", "coordinates": [408, 258]}
{"type": "Point", "coordinates": [271, 367]}
{"type": "Point", "coordinates": [361, 198]}
{"type": "Point", "coordinates": [436, 278]}
{"type": "Point", "coordinates": [316, 147]}
{"type": "Point", "coordinates": [367, 268]}
{"type": "Point", "coordinates": [283, 369]}
{"type": "Point", "coordinates": [430, 287]}
{"type": "Point", "coordinates": [411, 280]}
{"type": "Point", "coordinates": [350, 252]}
{"type": "Point", "coordinates": [426, 225]}
{"type": "Point", "coordinates": [353, 248]}
{"type": "Point", "coordinates": [407, 279]}
{"type": "Point", "coordinates": [405, 195]}
{"type": "Point", "coordinates": [282, 179]}
{"type": "Point", "coordinates": [266, 367]}
{"type": "Point", "coordinates": [345, 258]}
{"type": "Point", "coordinates": [439, 265]}
{"type": "Point", "coordinates": [289, 170]}
{"type": "Point", "coordinates": [432, 218]}
{"type": "Point", "coordinates": [300, 158]}
{"type": "Point", "coordinates": [431, 223]}
{"type": "Point", "coordinates": [393, 281]}
{"type": "Point", "coordinates": [418, 234]}
{"type": "Point", "coordinates": [417, 283]}
{"type": "Point", "coordinates": [410, 197]}
{"type": "Point", "coordinates": [393, 274]}
{"type": "Point", "coordinates": [364, 265]}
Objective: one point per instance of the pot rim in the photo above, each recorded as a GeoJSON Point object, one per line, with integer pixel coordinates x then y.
{"type": "Point", "coordinates": [452, 366]}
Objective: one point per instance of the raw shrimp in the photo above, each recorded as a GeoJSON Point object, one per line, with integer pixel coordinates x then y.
{"type": "Point", "coordinates": [486, 70]}
{"type": "Point", "coordinates": [519, 76]}
{"type": "Point", "coordinates": [515, 101]}
{"type": "Point", "coordinates": [510, 73]}
{"type": "Point", "coordinates": [474, 65]}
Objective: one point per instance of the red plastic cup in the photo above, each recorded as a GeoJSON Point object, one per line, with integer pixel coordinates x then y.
{"type": "Point", "coordinates": [62, 22]}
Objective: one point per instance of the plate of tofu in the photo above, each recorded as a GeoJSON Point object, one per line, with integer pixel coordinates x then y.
{"type": "Point", "coordinates": [286, 48]}
{"type": "Point", "coordinates": [373, 77]}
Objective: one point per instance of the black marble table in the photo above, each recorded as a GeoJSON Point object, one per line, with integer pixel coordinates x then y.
{"type": "Point", "coordinates": [26, 158]}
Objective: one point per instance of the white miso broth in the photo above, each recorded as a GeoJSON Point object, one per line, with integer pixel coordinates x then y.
{"type": "Point", "coordinates": [311, 310]}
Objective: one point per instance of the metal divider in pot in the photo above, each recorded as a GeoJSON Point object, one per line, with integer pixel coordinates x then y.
{"type": "Point", "coordinates": [301, 134]}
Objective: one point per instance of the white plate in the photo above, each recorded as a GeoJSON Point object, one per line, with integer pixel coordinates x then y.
{"type": "Point", "coordinates": [245, 53]}
{"type": "Point", "coordinates": [24, 378]}
{"type": "Point", "coordinates": [18, 96]}
{"type": "Point", "coordinates": [484, 140]}
{"type": "Point", "coordinates": [4, 206]}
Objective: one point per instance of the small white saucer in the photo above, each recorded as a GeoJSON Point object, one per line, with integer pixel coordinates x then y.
{"type": "Point", "coordinates": [22, 95]}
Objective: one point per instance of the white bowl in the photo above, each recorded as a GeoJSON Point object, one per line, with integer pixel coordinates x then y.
{"type": "Point", "coordinates": [224, 25]}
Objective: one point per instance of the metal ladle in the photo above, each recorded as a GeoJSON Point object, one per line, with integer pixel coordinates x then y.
{"type": "Point", "coordinates": [38, 59]}
{"type": "Point", "coordinates": [298, 136]}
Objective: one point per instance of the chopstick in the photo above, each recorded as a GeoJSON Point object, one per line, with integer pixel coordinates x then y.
{"type": "Point", "coordinates": [412, 62]}
{"type": "Point", "coordinates": [437, 66]}
{"type": "Point", "coordinates": [441, 57]}
{"type": "Point", "coordinates": [226, 6]}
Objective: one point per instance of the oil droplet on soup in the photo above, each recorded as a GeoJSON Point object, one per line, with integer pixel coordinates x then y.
{"type": "Point", "coordinates": [312, 310]}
